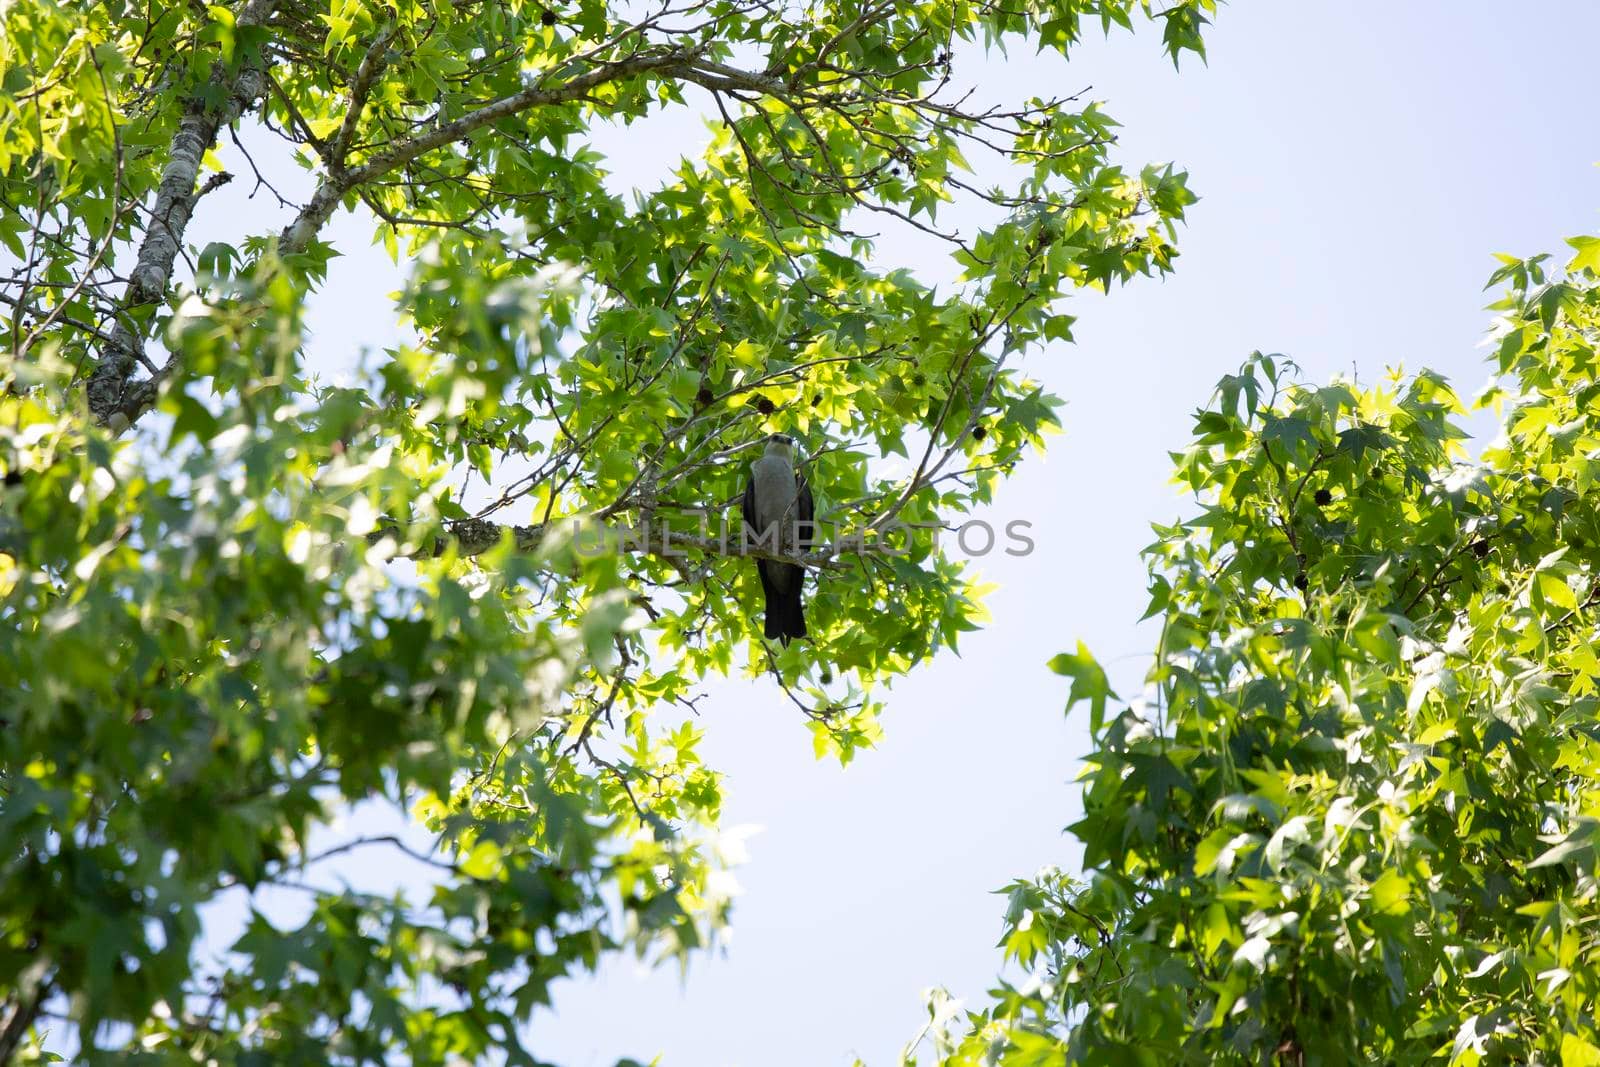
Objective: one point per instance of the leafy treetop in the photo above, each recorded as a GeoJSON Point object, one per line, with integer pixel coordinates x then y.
{"type": "Point", "coordinates": [235, 596]}
{"type": "Point", "coordinates": [1356, 821]}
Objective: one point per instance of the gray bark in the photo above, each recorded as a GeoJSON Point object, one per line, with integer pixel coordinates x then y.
{"type": "Point", "coordinates": [111, 398]}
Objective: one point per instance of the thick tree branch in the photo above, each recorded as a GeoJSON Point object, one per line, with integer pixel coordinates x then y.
{"type": "Point", "coordinates": [111, 400]}
{"type": "Point", "coordinates": [473, 537]}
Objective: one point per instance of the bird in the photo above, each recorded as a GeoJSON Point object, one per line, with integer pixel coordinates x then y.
{"type": "Point", "coordinates": [778, 513]}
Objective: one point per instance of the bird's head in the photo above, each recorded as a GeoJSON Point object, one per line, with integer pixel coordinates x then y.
{"type": "Point", "coordinates": [780, 444]}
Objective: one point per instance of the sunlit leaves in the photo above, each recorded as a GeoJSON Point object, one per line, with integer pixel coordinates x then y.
{"type": "Point", "coordinates": [1354, 819]}
{"type": "Point", "coordinates": [277, 597]}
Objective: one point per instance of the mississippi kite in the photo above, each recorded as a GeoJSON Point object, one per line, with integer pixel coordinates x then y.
{"type": "Point", "coordinates": [777, 510]}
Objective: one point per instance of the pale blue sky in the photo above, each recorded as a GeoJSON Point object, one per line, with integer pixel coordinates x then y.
{"type": "Point", "coordinates": [1358, 163]}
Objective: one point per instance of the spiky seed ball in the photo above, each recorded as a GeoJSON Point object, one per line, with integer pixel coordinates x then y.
{"type": "Point", "coordinates": [1323, 498]}
{"type": "Point", "coordinates": [547, 17]}
{"type": "Point", "coordinates": [765, 406]}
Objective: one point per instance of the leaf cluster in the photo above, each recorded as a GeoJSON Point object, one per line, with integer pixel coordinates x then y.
{"type": "Point", "coordinates": [237, 599]}
{"type": "Point", "coordinates": [1354, 820]}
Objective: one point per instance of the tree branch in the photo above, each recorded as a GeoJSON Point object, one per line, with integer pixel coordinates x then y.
{"type": "Point", "coordinates": [20, 1010]}
{"type": "Point", "coordinates": [299, 233]}
{"type": "Point", "coordinates": [474, 537]}
{"type": "Point", "coordinates": [110, 398]}
{"type": "Point", "coordinates": [371, 65]}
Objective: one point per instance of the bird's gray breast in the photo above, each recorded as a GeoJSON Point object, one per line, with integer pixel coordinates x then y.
{"type": "Point", "coordinates": [775, 496]}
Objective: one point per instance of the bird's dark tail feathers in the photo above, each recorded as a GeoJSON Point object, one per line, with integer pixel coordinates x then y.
{"type": "Point", "coordinates": [786, 615]}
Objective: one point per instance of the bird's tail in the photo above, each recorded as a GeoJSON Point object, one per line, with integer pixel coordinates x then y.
{"type": "Point", "coordinates": [786, 615]}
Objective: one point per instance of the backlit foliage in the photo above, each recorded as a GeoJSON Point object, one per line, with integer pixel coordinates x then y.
{"type": "Point", "coordinates": [235, 599]}
{"type": "Point", "coordinates": [1356, 820]}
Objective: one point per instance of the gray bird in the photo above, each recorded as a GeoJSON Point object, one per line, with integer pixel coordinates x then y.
{"type": "Point", "coordinates": [777, 513]}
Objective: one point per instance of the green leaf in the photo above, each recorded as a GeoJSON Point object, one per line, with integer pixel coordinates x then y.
{"type": "Point", "coordinates": [1578, 843]}
{"type": "Point", "coordinates": [1088, 683]}
{"type": "Point", "coordinates": [1587, 255]}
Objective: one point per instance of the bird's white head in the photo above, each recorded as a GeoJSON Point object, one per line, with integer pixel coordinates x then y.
{"type": "Point", "coordinates": [780, 444]}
